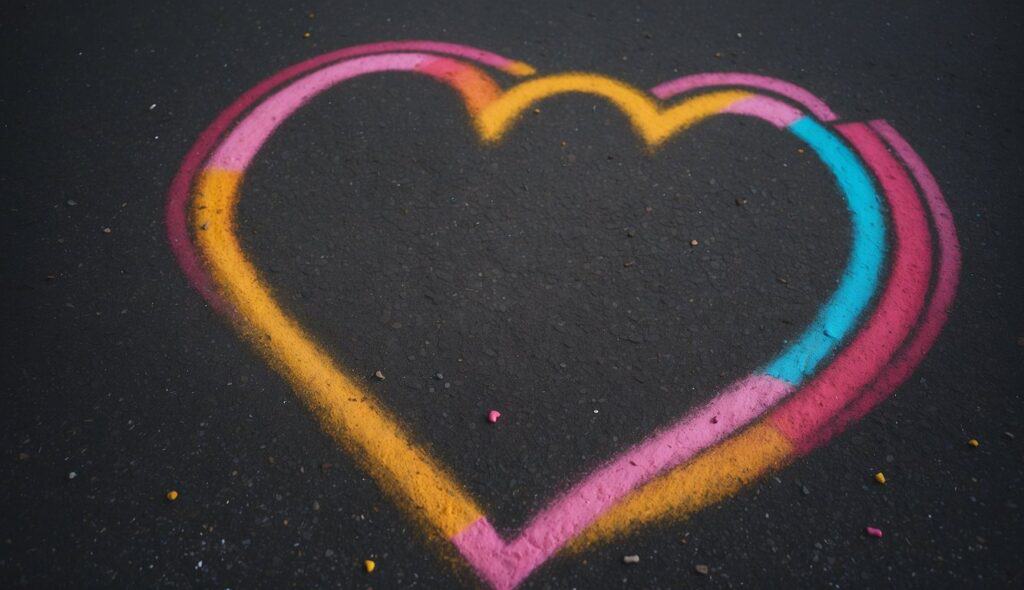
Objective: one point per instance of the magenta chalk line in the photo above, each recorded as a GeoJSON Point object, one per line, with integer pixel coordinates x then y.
{"type": "Point", "coordinates": [902, 300]}
{"type": "Point", "coordinates": [505, 564]}
{"type": "Point", "coordinates": [696, 81]}
{"type": "Point", "coordinates": [943, 294]}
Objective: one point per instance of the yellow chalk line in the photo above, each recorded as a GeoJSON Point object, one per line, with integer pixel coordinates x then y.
{"type": "Point", "coordinates": [350, 414]}
{"type": "Point", "coordinates": [652, 123]}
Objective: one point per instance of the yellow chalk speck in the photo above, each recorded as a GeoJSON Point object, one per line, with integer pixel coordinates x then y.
{"type": "Point", "coordinates": [369, 565]}
{"type": "Point", "coordinates": [880, 478]}
{"type": "Point", "coordinates": [172, 495]}
{"type": "Point", "coordinates": [973, 442]}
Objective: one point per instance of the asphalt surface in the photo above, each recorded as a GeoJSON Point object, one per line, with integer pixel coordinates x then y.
{"type": "Point", "coordinates": [551, 277]}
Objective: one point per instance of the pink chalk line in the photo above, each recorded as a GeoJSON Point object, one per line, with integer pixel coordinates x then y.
{"type": "Point", "coordinates": [695, 81]}
{"type": "Point", "coordinates": [504, 565]}
{"type": "Point", "coordinates": [176, 210]}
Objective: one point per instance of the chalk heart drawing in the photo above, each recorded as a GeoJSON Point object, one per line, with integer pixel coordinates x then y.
{"type": "Point", "coordinates": [865, 340]}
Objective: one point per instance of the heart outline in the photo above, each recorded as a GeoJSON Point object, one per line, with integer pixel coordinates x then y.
{"type": "Point", "coordinates": [509, 576]}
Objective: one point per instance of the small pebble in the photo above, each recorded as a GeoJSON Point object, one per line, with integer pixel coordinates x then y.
{"type": "Point", "coordinates": [369, 565]}
{"type": "Point", "coordinates": [72, 475]}
{"type": "Point", "coordinates": [701, 569]}
{"type": "Point", "coordinates": [493, 416]}
{"type": "Point", "coordinates": [439, 376]}
{"type": "Point", "coordinates": [874, 532]}
{"type": "Point", "coordinates": [973, 442]}
{"type": "Point", "coordinates": [107, 230]}
{"type": "Point", "coordinates": [1009, 435]}
{"type": "Point", "coordinates": [694, 242]}
{"type": "Point", "coordinates": [378, 375]}
{"type": "Point", "coordinates": [880, 478]}
{"type": "Point", "coordinates": [307, 35]}
{"type": "Point", "coordinates": [72, 202]}
{"type": "Point", "coordinates": [172, 495]}
{"type": "Point", "coordinates": [631, 559]}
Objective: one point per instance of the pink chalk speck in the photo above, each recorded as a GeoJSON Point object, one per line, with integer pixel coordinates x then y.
{"type": "Point", "coordinates": [874, 532]}
{"type": "Point", "coordinates": [493, 416]}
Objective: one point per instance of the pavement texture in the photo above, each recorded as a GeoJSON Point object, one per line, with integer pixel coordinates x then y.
{"type": "Point", "coordinates": [587, 289]}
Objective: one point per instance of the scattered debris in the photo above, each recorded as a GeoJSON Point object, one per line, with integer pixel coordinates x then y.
{"type": "Point", "coordinates": [631, 233]}
{"type": "Point", "coordinates": [880, 478]}
{"type": "Point", "coordinates": [172, 495]}
{"type": "Point", "coordinates": [152, 106]}
{"type": "Point", "coordinates": [694, 242]}
{"type": "Point", "coordinates": [536, 111]}
{"type": "Point", "coordinates": [741, 202]}
{"type": "Point", "coordinates": [316, 505]}
{"type": "Point", "coordinates": [307, 35]}
{"type": "Point", "coordinates": [439, 376]}
{"type": "Point", "coordinates": [631, 559]}
{"type": "Point", "coordinates": [973, 442]}
{"type": "Point", "coordinates": [107, 230]}
{"type": "Point", "coordinates": [874, 532]}
{"type": "Point", "coordinates": [72, 475]}
{"type": "Point", "coordinates": [701, 569]}
{"type": "Point", "coordinates": [805, 490]}
{"type": "Point", "coordinates": [370, 565]}
{"type": "Point", "coordinates": [378, 375]}
{"type": "Point", "coordinates": [1009, 435]}
{"type": "Point", "coordinates": [628, 263]}
{"type": "Point", "coordinates": [493, 416]}
{"type": "Point", "coordinates": [72, 202]}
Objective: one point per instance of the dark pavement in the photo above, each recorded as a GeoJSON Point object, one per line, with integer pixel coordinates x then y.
{"type": "Point", "coordinates": [551, 277]}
